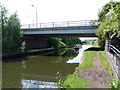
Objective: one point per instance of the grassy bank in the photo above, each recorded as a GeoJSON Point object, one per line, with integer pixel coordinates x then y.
{"type": "Point", "coordinates": [76, 82]}
{"type": "Point", "coordinates": [104, 62]}
{"type": "Point", "coordinates": [88, 60]}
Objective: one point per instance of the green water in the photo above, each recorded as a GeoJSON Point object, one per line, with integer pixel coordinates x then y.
{"type": "Point", "coordinates": [38, 71]}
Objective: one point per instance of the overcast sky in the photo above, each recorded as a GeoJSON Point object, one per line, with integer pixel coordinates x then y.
{"type": "Point", "coordinates": [54, 10]}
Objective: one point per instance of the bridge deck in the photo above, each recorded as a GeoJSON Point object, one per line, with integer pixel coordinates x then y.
{"type": "Point", "coordinates": [82, 28]}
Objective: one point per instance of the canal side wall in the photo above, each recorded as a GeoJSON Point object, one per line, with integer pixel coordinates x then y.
{"type": "Point", "coordinates": [26, 53]}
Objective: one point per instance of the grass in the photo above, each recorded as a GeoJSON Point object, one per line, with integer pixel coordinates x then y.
{"type": "Point", "coordinates": [88, 60]}
{"type": "Point", "coordinates": [75, 82]}
{"type": "Point", "coordinates": [114, 83]}
{"type": "Point", "coordinates": [104, 62]}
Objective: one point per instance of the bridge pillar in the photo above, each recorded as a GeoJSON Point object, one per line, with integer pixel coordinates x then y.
{"type": "Point", "coordinates": [33, 42]}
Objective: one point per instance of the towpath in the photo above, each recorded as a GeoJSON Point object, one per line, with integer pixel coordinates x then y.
{"type": "Point", "coordinates": [97, 75]}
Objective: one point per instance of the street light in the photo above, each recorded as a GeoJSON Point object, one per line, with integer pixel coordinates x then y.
{"type": "Point", "coordinates": [36, 14]}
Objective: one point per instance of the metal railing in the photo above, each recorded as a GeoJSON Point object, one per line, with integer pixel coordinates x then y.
{"type": "Point", "coordinates": [115, 58]}
{"type": "Point", "coordinates": [61, 24]}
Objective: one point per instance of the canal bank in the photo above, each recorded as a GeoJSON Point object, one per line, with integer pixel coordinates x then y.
{"type": "Point", "coordinates": [27, 53]}
{"type": "Point", "coordinates": [94, 72]}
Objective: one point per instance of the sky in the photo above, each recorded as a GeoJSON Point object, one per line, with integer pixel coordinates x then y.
{"type": "Point", "coordinates": [54, 10]}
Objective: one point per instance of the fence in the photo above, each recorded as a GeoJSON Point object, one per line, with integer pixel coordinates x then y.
{"type": "Point", "coordinates": [114, 58]}
{"type": "Point", "coordinates": [61, 24]}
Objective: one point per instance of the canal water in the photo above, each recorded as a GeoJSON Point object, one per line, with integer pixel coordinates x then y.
{"type": "Point", "coordinates": [39, 71]}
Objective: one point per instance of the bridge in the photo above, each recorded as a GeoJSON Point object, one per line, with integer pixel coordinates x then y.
{"type": "Point", "coordinates": [83, 28]}
{"type": "Point", "coordinates": [34, 34]}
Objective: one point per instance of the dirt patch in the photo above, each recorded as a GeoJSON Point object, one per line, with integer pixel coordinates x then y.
{"type": "Point", "coordinates": [97, 75]}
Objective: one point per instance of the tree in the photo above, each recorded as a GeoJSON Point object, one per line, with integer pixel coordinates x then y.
{"type": "Point", "coordinates": [109, 17]}
{"type": "Point", "coordinates": [64, 41]}
{"type": "Point", "coordinates": [11, 32]}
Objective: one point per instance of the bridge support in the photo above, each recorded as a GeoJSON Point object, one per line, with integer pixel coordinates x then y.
{"type": "Point", "coordinates": [33, 42]}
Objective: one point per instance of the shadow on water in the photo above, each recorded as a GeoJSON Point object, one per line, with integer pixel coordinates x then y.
{"type": "Point", "coordinates": [94, 49]}
{"type": "Point", "coordinates": [61, 52]}
{"type": "Point", "coordinates": [19, 59]}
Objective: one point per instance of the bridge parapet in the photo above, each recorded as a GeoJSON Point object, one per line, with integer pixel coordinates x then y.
{"type": "Point", "coordinates": [61, 24]}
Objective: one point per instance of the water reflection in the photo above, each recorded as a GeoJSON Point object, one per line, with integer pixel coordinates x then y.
{"type": "Point", "coordinates": [78, 58]}
{"type": "Point", "coordinates": [38, 71]}
{"type": "Point", "coordinates": [38, 84]}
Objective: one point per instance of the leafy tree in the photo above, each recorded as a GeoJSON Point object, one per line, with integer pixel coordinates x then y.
{"type": "Point", "coordinates": [56, 43]}
{"type": "Point", "coordinates": [3, 19]}
{"type": "Point", "coordinates": [11, 32]}
{"type": "Point", "coordinates": [64, 41]}
{"type": "Point", "coordinates": [109, 17]}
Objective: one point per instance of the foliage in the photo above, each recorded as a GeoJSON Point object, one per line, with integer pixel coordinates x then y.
{"type": "Point", "coordinates": [115, 84]}
{"type": "Point", "coordinates": [64, 41]}
{"type": "Point", "coordinates": [3, 19]}
{"type": "Point", "coordinates": [56, 43]}
{"type": "Point", "coordinates": [106, 9]}
{"type": "Point", "coordinates": [88, 59]}
{"type": "Point", "coordinates": [75, 82]}
{"type": "Point", "coordinates": [70, 41]}
{"type": "Point", "coordinates": [11, 32]}
{"type": "Point", "coordinates": [109, 17]}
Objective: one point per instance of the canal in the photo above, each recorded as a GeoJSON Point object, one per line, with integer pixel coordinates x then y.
{"type": "Point", "coordinates": [39, 71]}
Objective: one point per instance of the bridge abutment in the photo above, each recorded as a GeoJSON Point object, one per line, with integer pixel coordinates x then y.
{"type": "Point", "coordinates": [33, 42]}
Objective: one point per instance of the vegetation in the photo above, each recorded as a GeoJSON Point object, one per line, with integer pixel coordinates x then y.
{"type": "Point", "coordinates": [64, 41]}
{"type": "Point", "coordinates": [56, 43]}
{"type": "Point", "coordinates": [105, 63]}
{"type": "Point", "coordinates": [109, 17]}
{"type": "Point", "coordinates": [75, 82]}
{"type": "Point", "coordinates": [114, 83]}
{"type": "Point", "coordinates": [109, 28]}
{"type": "Point", "coordinates": [11, 32]}
{"type": "Point", "coordinates": [88, 59]}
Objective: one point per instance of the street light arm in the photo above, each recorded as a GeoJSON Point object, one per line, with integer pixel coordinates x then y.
{"type": "Point", "coordinates": [34, 6]}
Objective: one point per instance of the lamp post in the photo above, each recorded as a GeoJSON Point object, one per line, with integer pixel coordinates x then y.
{"type": "Point", "coordinates": [36, 14]}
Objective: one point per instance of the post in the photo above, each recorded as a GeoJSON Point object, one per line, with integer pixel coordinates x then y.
{"type": "Point", "coordinates": [36, 17]}
{"type": "Point", "coordinates": [53, 24]}
{"type": "Point", "coordinates": [40, 25]}
{"type": "Point", "coordinates": [68, 23]}
{"type": "Point", "coordinates": [36, 14]}
{"type": "Point", "coordinates": [85, 22]}
{"type": "Point", "coordinates": [29, 26]}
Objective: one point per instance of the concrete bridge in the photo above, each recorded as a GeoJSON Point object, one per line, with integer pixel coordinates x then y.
{"type": "Point", "coordinates": [40, 32]}
{"type": "Point", "coordinates": [83, 28]}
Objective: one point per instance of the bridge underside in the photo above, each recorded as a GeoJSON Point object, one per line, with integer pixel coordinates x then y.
{"type": "Point", "coordinates": [36, 42]}
{"type": "Point", "coordinates": [63, 35]}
